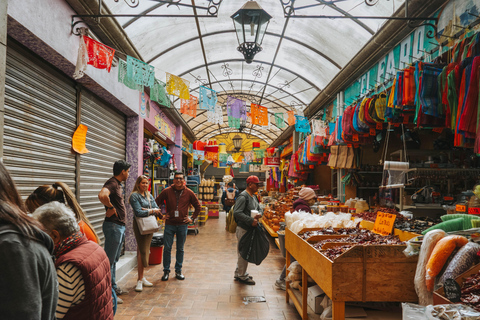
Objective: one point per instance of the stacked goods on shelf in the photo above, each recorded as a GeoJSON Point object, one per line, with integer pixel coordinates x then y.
{"type": "Point", "coordinates": [206, 190]}
{"type": "Point", "coordinates": [203, 215]}
{"type": "Point", "coordinates": [274, 212]}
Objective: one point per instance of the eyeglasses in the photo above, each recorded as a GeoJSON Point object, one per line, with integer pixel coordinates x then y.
{"type": "Point", "coordinates": [178, 178]}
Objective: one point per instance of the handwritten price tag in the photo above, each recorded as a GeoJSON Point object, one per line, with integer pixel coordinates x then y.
{"type": "Point", "coordinates": [473, 210]}
{"type": "Point", "coordinates": [373, 131]}
{"type": "Point", "coordinates": [460, 208]}
{"type": "Point", "coordinates": [355, 137]}
{"type": "Point", "coordinates": [384, 223]}
{"type": "Point", "coordinates": [379, 126]}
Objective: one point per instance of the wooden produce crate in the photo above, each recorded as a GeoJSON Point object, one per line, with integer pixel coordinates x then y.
{"type": "Point", "coordinates": [362, 273]}
{"type": "Point", "coordinates": [439, 295]}
{"type": "Point", "coordinates": [270, 231]}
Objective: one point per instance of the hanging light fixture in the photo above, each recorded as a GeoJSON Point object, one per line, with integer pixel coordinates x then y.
{"type": "Point", "coordinates": [237, 142]}
{"type": "Point", "coordinates": [250, 24]}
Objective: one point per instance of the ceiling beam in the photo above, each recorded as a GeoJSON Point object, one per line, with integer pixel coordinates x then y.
{"type": "Point", "coordinates": [201, 42]}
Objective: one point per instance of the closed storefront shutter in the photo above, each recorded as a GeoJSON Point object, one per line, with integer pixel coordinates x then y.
{"type": "Point", "coordinates": [106, 144]}
{"type": "Point", "coordinates": [40, 113]}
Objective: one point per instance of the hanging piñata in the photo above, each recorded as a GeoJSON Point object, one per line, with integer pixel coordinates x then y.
{"type": "Point", "coordinates": [189, 107]}
{"type": "Point", "coordinates": [159, 94]}
{"type": "Point", "coordinates": [302, 124]}
{"type": "Point", "coordinates": [91, 52]}
{"type": "Point", "coordinates": [259, 115]}
{"type": "Point", "coordinates": [207, 99]}
{"type": "Point", "coordinates": [178, 87]}
{"type": "Point", "coordinates": [141, 72]}
{"type": "Point", "coordinates": [122, 77]}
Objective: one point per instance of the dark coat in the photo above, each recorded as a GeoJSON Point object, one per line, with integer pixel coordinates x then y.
{"type": "Point", "coordinates": [302, 205]}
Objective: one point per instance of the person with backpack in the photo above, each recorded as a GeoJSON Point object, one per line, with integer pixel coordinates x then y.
{"type": "Point", "coordinates": [245, 203]}
{"type": "Point", "coordinates": [229, 196]}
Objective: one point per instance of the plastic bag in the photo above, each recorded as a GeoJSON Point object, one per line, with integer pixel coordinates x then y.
{"type": "Point", "coordinates": [443, 249]}
{"type": "Point", "coordinates": [439, 312]}
{"type": "Point", "coordinates": [327, 308]}
{"type": "Point", "coordinates": [254, 245]}
{"type": "Point", "coordinates": [429, 241]}
{"type": "Point", "coordinates": [292, 276]}
{"type": "Point", "coordinates": [295, 285]}
{"type": "Point", "coordinates": [295, 267]}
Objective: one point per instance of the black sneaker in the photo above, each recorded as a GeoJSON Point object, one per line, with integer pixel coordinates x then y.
{"type": "Point", "coordinates": [179, 276]}
{"type": "Point", "coordinates": [165, 275]}
{"type": "Point", "coordinates": [248, 281]}
{"type": "Point", "coordinates": [238, 278]}
{"type": "Point", "coordinates": [120, 291]}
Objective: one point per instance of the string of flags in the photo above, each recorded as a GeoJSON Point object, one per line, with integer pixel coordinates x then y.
{"type": "Point", "coordinates": [136, 75]}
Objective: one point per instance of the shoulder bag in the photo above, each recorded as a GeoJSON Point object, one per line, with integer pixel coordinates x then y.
{"type": "Point", "coordinates": [147, 225]}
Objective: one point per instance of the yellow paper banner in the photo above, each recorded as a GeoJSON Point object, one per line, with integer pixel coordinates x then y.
{"type": "Point", "coordinates": [79, 139]}
{"type": "Point", "coordinates": [178, 86]}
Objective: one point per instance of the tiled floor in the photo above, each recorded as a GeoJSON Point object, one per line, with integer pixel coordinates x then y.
{"type": "Point", "coordinates": [209, 291]}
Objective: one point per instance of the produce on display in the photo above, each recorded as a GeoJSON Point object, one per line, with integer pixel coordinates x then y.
{"type": "Point", "coordinates": [463, 260]}
{"type": "Point", "coordinates": [471, 291]}
{"type": "Point", "coordinates": [443, 249]}
{"type": "Point", "coordinates": [425, 297]}
{"type": "Point", "coordinates": [297, 221]}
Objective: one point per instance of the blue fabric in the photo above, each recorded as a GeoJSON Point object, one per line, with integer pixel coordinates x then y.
{"type": "Point", "coordinates": [114, 301]}
{"type": "Point", "coordinates": [181, 233]}
{"type": "Point", "coordinates": [302, 124]}
{"type": "Point", "coordinates": [114, 236]}
{"type": "Point", "coordinates": [139, 203]}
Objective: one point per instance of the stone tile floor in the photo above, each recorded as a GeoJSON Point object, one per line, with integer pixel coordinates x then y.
{"type": "Point", "coordinates": [208, 291]}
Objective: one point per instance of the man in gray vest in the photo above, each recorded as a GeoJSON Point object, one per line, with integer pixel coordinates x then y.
{"type": "Point", "coordinates": [245, 203]}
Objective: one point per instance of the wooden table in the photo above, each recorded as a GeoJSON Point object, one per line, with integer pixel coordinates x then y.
{"type": "Point", "coordinates": [270, 231]}
{"type": "Point", "coordinates": [363, 273]}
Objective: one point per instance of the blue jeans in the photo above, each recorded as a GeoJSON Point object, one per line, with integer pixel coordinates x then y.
{"type": "Point", "coordinates": [114, 236]}
{"type": "Point", "coordinates": [168, 234]}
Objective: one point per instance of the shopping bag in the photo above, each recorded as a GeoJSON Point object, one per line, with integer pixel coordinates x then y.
{"type": "Point", "coordinates": [254, 245]}
{"type": "Point", "coordinates": [147, 225]}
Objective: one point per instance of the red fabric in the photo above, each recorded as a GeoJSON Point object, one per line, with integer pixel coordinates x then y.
{"type": "Point", "coordinates": [87, 231]}
{"type": "Point", "coordinates": [93, 262]}
{"type": "Point", "coordinates": [99, 55]}
{"type": "Point", "coordinates": [468, 119]}
{"type": "Point", "coordinates": [198, 145]}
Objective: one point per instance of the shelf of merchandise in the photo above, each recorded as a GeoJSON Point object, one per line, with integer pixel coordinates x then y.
{"type": "Point", "coordinates": [379, 273]}
{"type": "Point", "coordinates": [270, 231]}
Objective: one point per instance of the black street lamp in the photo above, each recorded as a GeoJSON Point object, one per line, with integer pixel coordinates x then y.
{"type": "Point", "coordinates": [250, 24]}
{"type": "Point", "coordinates": [237, 142]}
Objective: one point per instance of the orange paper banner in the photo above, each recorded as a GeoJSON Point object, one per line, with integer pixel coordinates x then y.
{"type": "Point", "coordinates": [291, 118]}
{"type": "Point", "coordinates": [259, 115]}
{"type": "Point", "coordinates": [79, 139]}
{"type": "Point", "coordinates": [189, 107]}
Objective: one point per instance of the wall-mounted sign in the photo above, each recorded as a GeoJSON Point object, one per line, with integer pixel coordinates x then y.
{"type": "Point", "coordinates": [165, 126]}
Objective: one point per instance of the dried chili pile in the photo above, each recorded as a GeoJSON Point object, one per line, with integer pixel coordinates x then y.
{"type": "Point", "coordinates": [471, 292]}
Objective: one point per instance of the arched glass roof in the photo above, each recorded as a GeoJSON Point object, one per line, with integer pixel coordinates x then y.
{"type": "Point", "coordinates": [300, 56]}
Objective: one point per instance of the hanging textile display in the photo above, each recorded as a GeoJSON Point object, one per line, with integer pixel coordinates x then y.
{"type": "Point", "coordinates": [259, 115]}
{"type": "Point", "coordinates": [123, 78]}
{"type": "Point", "coordinates": [248, 156]}
{"type": "Point", "coordinates": [302, 124]}
{"type": "Point", "coordinates": [215, 117]}
{"type": "Point", "coordinates": [319, 128]}
{"type": "Point", "coordinates": [91, 52]}
{"type": "Point", "coordinates": [158, 93]}
{"type": "Point", "coordinates": [141, 72]}
{"type": "Point", "coordinates": [291, 117]}
{"type": "Point", "coordinates": [223, 157]}
{"type": "Point", "coordinates": [178, 87]}
{"type": "Point", "coordinates": [207, 99]}
{"type": "Point", "coordinates": [259, 154]}
{"type": "Point", "coordinates": [279, 121]}
{"type": "Point", "coordinates": [198, 155]}
{"type": "Point", "coordinates": [189, 107]}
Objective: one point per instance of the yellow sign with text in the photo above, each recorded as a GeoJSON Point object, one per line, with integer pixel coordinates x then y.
{"type": "Point", "coordinates": [384, 223]}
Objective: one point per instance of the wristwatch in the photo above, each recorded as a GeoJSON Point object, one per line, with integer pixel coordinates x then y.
{"type": "Point", "coordinates": [109, 208]}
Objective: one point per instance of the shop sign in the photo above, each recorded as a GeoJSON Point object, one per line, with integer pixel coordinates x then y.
{"type": "Point", "coordinates": [287, 150]}
{"type": "Point", "coordinates": [255, 168]}
{"type": "Point", "coordinates": [165, 126]}
{"type": "Point", "coordinates": [272, 161]}
{"type": "Point", "coordinates": [384, 223]}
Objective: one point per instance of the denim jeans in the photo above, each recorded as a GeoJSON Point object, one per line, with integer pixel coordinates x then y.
{"type": "Point", "coordinates": [114, 236]}
{"type": "Point", "coordinates": [168, 234]}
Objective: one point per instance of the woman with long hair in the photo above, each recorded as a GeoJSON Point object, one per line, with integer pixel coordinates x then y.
{"type": "Point", "coordinates": [28, 281]}
{"type": "Point", "coordinates": [143, 205]}
{"type": "Point", "coordinates": [60, 192]}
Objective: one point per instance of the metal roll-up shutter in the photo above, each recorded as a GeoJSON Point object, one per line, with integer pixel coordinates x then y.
{"type": "Point", "coordinates": [40, 114]}
{"type": "Point", "coordinates": [106, 144]}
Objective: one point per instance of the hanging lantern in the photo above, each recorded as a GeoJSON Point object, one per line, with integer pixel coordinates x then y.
{"type": "Point", "coordinates": [250, 24]}
{"type": "Point", "coordinates": [237, 142]}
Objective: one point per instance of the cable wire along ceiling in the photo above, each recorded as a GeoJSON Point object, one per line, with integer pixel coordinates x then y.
{"type": "Point", "coordinates": [196, 40]}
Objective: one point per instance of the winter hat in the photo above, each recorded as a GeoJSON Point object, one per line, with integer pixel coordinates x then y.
{"type": "Point", "coordinates": [306, 193]}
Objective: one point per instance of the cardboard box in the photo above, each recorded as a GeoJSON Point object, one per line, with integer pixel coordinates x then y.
{"type": "Point", "coordinates": [314, 298]}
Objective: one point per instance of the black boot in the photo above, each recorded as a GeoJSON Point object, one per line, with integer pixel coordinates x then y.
{"type": "Point", "coordinates": [165, 275]}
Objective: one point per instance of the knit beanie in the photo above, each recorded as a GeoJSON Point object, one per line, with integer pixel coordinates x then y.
{"type": "Point", "coordinates": [306, 193]}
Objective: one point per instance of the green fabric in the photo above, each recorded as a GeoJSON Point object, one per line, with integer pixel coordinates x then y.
{"type": "Point", "coordinates": [452, 97]}
{"type": "Point", "coordinates": [467, 219]}
{"type": "Point", "coordinates": [447, 226]}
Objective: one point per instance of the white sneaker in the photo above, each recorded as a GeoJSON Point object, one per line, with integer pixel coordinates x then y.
{"type": "Point", "coordinates": [139, 287]}
{"type": "Point", "coordinates": [280, 285]}
{"type": "Point", "coordinates": [147, 283]}
{"type": "Point", "coordinates": [119, 301]}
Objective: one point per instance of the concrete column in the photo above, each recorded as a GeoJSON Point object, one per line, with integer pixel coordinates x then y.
{"type": "Point", "coordinates": [135, 158]}
{"type": "Point", "coordinates": [3, 61]}
{"type": "Point", "coordinates": [178, 150]}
